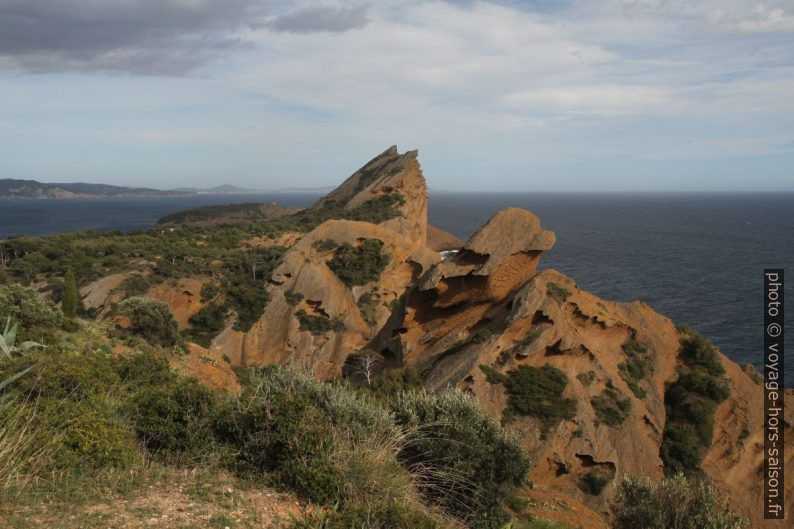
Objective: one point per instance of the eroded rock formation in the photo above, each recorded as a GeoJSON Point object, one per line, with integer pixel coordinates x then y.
{"type": "Point", "coordinates": [474, 319]}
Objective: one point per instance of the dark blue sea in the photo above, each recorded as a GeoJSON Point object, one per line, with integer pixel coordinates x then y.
{"type": "Point", "coordinates": [697, 258]}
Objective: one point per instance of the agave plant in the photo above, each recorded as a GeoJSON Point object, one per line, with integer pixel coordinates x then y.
{"type": "Point", "coordinates": [8, 345]}
{"type": "Point", "coordinates": [8, 341]}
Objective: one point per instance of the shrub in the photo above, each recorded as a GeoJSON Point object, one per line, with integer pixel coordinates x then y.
{"type": "Point", "coordinates": [691, 402]}
{"type": "Point", "coordinates": [378, 209]}
{"type": "Point", "coordinates": [248, 298]}
{"type": "Point", "coordinates": [325, 245]}
{"type": "Point", "coordinates": [177, 419]}
{"type": "Point", "coordinates": [556, 292]}
{"type": "Point", "coordinates": [535, 392]}
{"type": "Point", "coordinates": [637, 366]}
{"type": "Point", "coordinates": [207, 323]}
{"type": "Point", "coordinates": [135, 285]}
{"type": "Point", "coordinates": [464, 462]}
{"type": "Point", "coordinates": [292, 298]}
{"type": "Point", "coordinates": [359, 265]}
{"type": "Point", "coordinates": [611, 407]}
{"type": "Point", "coordinates": [677, 502]}
{"type": "Point", "coordinates": [76, 400]}
{"type": "Point", "coordinates": [150, 319]}
{"type": "Point", "coordinates": [318, 324]}
{"type": "Point", "coordinates": [88, 433]}
{"type": "Point", "coordinates": [293, 426]}
{"type": "Point", "coordinates": [26, 307]}
{"type": "Point", "coordinates": [144, 369]}
{"type": "Point", "coordinates": [209, 291]}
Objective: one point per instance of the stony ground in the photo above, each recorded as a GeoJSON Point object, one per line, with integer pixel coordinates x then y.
{"type": "Point", "coordinates": [157, 498]}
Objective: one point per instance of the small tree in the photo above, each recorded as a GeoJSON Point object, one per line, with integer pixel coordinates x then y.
{"type": "Point", "coordinates": [367, 366]}
{"type": "Point", "coordinates": [71, 297]}
{"type": "Point", "coordinates": [151, 319]}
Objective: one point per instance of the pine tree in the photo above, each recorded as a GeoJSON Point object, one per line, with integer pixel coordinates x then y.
{"type": "Point", "coordinates": [71, 298]}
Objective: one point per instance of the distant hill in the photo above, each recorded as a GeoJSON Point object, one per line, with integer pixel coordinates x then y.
{"type": "Point", "coordinates": [226, 214]}
{"type": "Point", "coordinates": [12, 188]}
{"type": "Point", "coordinates": [222, 189]}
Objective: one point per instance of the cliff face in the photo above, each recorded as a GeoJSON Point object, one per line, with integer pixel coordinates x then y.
{"type": "Point", "coordinates": [477, 319]}
{"type": "Point", "coordinates": [304, 292]}
{"type": "Point", "coordinates": [389, 173]}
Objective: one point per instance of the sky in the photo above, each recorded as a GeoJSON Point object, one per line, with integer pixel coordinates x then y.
{"type": "Point", "coordinates": [589, 95]}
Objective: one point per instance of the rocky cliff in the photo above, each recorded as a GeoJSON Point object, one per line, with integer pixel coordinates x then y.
{"type": "Point", "coordinates": [585, 382]}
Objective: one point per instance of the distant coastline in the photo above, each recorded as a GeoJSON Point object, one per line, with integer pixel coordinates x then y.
{"type": "Point", "coordinates": [34, 190]}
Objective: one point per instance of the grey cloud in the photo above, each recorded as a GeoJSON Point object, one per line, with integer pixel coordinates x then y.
{"type": "Point", "coordinates": [169, 37]}
{"type": "Point", "coordinates": [322, 18]}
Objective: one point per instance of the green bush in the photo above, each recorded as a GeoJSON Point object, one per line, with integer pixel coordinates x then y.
{"type": "Point", "coordinates": [535, 392]}
{"type": "Point", "coordinates": [248, 298]}
{"type": "Point", "coordinates": [637, 366]}
{"type": "Point", "coordinates": [177, 419]}
{"type": "Point", "coordinates": [463, 461]}
{"type": "Point", "coordinates": [611, 407]}
{"type": "Point", "coordinates": [292, 298]}
{"type": "Point", "coordinates": [359, 265]}
{"type": "Point", "coordinates": [135, 285]}
{"type": "Point", "coordinates": [325, 245]}
{"type": "Point", "coordinates": [26, 307]}
{"type": "Point", "coordinates": [76, 400]}
{"type": "Point", "coordinates": [691, 402]}
{"type": "Point", "coordinates": [144, 369]}
{"type": "Point", "coordinates": [291, 426]}
{"type": "Point", "coordinates": [676, 502]}
{"type": "Point", "coordinates": [88, 433]}
{"type": "Point", "coordinates": [209, 291]}
{"type": "Point", "coordinates": [151, 319]}
{"type": "Point", "coordinates": [318, 324]}
{"type": "Point", "coordinates": [207, 323]}
{"type": "Point", "coordinates": [556, 292]}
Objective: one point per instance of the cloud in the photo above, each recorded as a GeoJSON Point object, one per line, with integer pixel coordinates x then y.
{"type": "Point", "coordinates": [761, 18]}
{"type": "Point", "coordinates": [322, 18]}
{"type": "Point", "coordinates": [142, 37]}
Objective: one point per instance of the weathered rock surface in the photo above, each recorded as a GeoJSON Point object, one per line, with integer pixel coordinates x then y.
{"type": "Point", "coordinates": [487, 305]}
{"type": "Point", "coordinates": [358, 313]}
{"type": "Point", "coordinates": [441, 241]}
{"type": "Point", "coordinates": [386, 174]}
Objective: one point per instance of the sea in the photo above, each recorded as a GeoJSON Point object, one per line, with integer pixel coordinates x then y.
{"type": "Point", "coordinates": [697, 258]}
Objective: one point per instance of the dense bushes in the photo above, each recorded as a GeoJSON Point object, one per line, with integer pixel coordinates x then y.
{"type": "Point", "coordinates": [151, 319]}
{"type": "Point", "coordinates": [535, 392]}
{"type": "Point", "coordinates": [610, 406]}
{"type": "Point", "coordinates": [77, 404]}
{"type": "Point", "coordinates": [637, 366]}
{"type": "Point", "coordinates": [359, 265]}
{"type": "Point", "coordinates": [318, 324]}
{"type": "Point", "coordinates": [26, 307]}
{"type": "Point", "coordinates": [207, 323]}
{"type": "Point", "coordinates": [691, 402]}
{"type": "Point", "coordinates": [464, 460]}
{"type": "Point", "coordinates": [675, 503]}
{"type": "Point", "coordinates": [176, 419]}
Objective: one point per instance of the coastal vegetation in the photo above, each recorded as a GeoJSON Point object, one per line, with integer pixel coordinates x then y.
{"type": "Point", "coordinates": [222, 253]}
{"type": "Point", "coordinates": [360, 264]}
{"type": "Point", "coordinates": [691, 402]}
{"type": "Point", "coordinates": [636, 367]}
{"type": "Point", "coordinates": [535, 392]}
{"type": "Point", "coordinates": [401, 458]}
{"type": "Point", "coordinates": [678, 501]}
{"type": "Point", "coordinates": [611, 406]}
